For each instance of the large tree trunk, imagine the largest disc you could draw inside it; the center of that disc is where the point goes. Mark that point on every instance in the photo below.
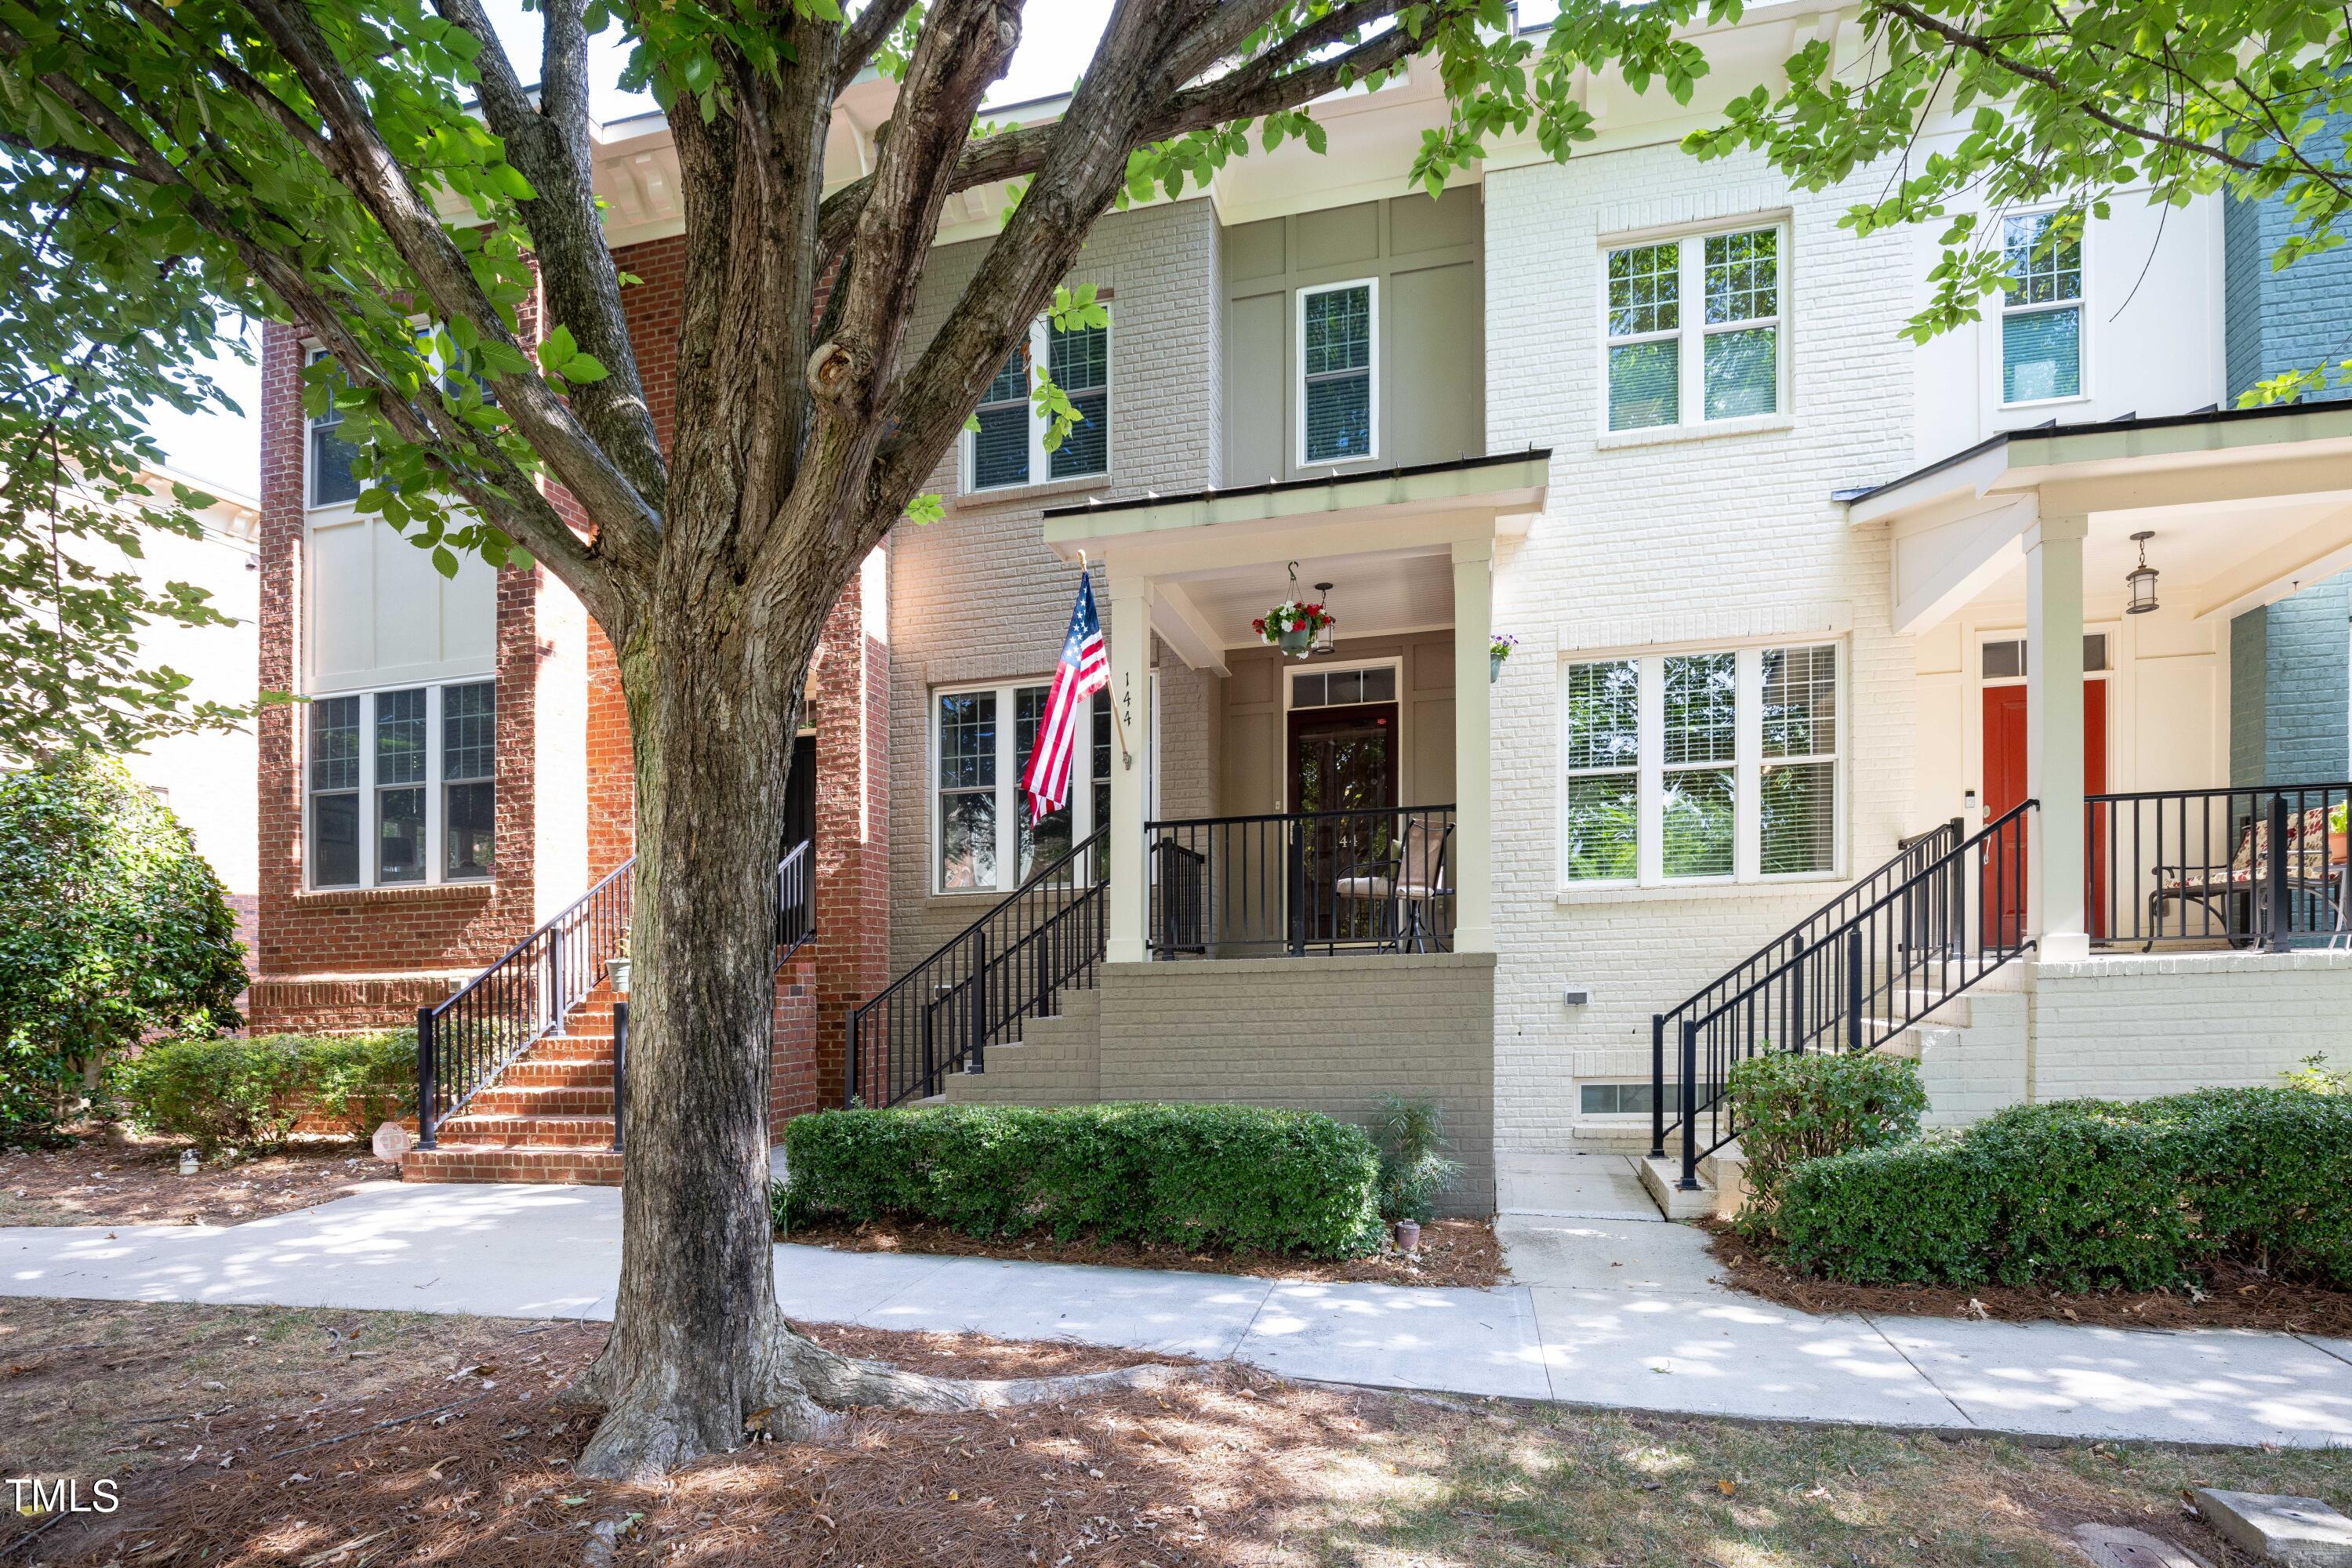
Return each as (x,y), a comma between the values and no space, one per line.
(714,700)
(701,1355)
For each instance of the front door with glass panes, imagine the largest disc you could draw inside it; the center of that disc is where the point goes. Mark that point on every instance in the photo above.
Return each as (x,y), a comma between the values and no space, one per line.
(1343,784)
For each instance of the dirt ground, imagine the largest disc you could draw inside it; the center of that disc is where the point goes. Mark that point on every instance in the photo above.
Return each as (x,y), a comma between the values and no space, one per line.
(2230,1296)
(1452,1252)
(222,1427)
(110,1176)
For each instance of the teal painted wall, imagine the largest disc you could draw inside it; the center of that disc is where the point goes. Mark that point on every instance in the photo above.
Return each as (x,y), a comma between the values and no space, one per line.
(2291,664)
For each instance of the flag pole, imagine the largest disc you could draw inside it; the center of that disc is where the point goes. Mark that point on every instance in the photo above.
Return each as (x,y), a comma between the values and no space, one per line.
(1126,757)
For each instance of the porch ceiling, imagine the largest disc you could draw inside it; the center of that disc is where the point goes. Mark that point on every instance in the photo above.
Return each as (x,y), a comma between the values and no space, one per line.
(2244,506)
(1373,595)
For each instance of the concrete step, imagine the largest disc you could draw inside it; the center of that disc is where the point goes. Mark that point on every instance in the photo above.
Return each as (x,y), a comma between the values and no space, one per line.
(490,1163)
(1662,1179)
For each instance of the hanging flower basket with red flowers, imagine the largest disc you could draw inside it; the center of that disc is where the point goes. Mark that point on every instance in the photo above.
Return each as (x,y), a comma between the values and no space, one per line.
(1291,626)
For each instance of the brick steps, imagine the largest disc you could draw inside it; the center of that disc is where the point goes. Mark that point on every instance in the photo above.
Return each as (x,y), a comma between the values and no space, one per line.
(547,1118)
(480,1162)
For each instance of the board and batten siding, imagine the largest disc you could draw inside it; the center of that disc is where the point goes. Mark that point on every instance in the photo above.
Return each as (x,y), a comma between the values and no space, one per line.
(1428,254)
(1256,775)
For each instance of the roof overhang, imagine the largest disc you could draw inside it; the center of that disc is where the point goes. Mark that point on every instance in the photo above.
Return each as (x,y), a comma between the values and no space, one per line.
(2218,454)
(1504,492)
(2269,489)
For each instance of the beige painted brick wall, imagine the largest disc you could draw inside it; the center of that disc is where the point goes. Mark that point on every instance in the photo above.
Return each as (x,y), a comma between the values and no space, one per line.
(1315,1034)
(977,597)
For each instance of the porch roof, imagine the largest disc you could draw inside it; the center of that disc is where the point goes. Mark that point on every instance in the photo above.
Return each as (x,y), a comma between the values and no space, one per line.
(2115,449)
(1508,485)
(2243,504)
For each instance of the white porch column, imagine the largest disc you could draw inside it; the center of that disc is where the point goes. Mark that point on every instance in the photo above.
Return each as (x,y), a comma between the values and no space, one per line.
(1470,864)
(2053,735)
(1130,696)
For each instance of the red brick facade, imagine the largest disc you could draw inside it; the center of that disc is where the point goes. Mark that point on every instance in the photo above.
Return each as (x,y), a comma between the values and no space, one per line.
(357,959)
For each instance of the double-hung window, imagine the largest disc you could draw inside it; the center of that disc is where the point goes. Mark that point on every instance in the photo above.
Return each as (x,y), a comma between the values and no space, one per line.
(1710,765)
(1670,365)
(401,787)
(1338,369)
(1006,446)
(985,841)
(2042,309)
(328,457)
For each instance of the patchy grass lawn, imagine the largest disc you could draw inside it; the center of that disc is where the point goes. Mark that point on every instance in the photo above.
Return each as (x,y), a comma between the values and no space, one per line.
(110,1176)
(1452,1252)
(1232,1468)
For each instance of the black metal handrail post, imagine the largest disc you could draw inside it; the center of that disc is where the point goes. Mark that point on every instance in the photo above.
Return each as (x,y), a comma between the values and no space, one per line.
(620,1075)
(426,1079)
(1657,1086)
(975,1050)
(1690,1183)
(2280,905)
(1295,863)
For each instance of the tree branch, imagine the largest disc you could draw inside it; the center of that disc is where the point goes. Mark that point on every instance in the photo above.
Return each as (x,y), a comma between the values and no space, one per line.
(1988,51)
(549,143)
(531,521)
(863,36)
(628,525)
(1011,154)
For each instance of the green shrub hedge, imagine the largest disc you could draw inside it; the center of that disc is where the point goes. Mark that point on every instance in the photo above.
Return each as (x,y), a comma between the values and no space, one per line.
(2088,1195)
(1227,1177)
(1792,1107)
(248,1094)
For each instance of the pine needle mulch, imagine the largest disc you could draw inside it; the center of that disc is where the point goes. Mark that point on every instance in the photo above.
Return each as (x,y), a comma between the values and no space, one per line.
(457,1454)
(2229,1296)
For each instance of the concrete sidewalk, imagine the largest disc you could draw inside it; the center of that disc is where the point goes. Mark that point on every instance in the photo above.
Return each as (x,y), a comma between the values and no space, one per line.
(1615,1310)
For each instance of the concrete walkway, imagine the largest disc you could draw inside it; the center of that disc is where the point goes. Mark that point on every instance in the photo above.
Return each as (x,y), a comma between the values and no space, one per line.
(1614,1308)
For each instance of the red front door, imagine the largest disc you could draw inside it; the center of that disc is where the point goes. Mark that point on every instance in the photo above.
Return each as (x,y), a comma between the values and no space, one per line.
(2003,897)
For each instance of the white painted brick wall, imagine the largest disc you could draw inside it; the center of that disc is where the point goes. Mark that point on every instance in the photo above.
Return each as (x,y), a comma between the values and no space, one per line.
(2132,1027)
(1725,537)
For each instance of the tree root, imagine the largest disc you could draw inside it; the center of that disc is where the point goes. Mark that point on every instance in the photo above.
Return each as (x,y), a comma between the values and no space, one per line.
(796,1392)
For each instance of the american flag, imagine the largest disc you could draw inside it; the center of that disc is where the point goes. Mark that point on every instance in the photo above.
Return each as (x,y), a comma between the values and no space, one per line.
(1085,669)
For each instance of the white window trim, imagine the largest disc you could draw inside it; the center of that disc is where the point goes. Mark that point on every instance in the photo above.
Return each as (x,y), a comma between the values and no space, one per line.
(1691,334)
(434,786)
(312,354)
(1041,340)
(1748,758)
(1298,375)
(2080,303)
(1009,803)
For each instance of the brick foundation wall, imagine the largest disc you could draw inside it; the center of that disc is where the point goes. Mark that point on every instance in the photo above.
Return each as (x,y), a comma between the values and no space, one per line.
(791,1057)
(1315,1034)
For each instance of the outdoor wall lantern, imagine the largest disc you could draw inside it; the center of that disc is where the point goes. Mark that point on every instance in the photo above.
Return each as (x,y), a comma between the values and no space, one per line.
(1324,642)
(2140,581)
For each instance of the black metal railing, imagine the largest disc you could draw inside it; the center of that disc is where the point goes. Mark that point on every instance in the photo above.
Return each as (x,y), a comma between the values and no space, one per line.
(1044,938)
(1902,870)
(465,1042)
(795,899)
(1377,879)
(2219,867)
(1883,967)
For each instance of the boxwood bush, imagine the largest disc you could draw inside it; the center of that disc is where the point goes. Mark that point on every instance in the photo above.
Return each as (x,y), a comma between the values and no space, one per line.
(249,1094)
(1792,1107)
(2088,1195)
(1224,1176)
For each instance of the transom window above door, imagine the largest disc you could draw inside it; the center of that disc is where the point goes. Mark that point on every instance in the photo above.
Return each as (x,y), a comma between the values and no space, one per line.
(1701,766)
(1693,329)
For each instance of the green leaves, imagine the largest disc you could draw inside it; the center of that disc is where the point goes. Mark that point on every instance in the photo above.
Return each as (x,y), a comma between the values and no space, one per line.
(562,357)
(1227,1177)
(134,934)
(1792,1107)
